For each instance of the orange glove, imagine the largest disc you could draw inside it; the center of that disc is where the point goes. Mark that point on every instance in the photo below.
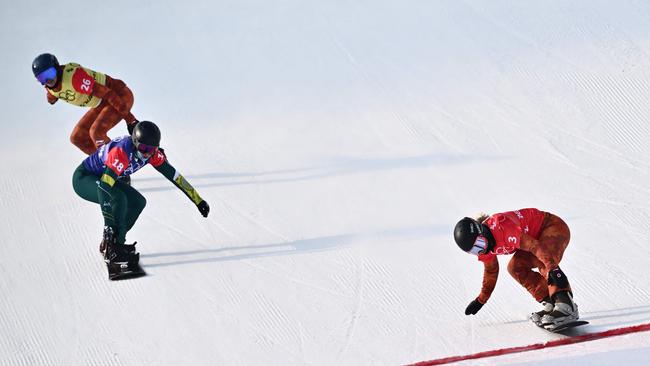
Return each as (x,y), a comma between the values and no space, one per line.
(51,98)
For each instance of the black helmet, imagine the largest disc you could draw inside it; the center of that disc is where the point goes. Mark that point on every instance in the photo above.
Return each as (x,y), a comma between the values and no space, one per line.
(147,133)
(466,232)
(43,62)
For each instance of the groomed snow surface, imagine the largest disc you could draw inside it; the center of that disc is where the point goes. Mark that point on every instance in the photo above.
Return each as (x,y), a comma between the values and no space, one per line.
(337,142)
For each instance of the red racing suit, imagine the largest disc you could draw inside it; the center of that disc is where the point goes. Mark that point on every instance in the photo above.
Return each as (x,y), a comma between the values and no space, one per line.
(537,239)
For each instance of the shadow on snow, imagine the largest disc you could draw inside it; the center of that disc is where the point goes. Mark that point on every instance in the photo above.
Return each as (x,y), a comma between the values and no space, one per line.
(303,246)
(338,167)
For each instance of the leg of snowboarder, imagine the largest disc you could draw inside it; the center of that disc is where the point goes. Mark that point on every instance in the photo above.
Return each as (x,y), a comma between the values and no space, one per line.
(128,203)
(521,267)
(565,311)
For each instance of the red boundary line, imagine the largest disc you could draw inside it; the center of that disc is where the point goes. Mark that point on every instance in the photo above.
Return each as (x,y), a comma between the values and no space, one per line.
(531,347)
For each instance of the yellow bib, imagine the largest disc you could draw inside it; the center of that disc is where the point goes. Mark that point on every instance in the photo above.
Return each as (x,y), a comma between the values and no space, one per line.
(77,93)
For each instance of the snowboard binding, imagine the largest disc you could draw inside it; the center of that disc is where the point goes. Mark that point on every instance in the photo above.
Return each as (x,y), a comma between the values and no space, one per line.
(122,260)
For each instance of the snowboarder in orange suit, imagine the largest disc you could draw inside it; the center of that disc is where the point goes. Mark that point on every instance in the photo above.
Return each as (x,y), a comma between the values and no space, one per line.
(109,99)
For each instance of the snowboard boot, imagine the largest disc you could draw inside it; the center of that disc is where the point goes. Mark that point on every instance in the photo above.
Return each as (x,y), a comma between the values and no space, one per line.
(121,254)
(565,311)
(134,257)
(130,248)
(548,306)
(108,237)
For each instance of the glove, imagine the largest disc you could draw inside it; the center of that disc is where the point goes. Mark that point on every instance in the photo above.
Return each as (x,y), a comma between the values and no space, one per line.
(473,307)
(51,98)
(204,208)
(131,126)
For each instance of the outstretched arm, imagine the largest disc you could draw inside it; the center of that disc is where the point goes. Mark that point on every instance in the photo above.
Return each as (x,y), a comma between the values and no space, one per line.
(490,275)
(169,172)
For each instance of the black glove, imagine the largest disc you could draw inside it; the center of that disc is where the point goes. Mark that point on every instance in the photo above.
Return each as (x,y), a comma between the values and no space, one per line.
(131,126)
(204,208)
(473,307)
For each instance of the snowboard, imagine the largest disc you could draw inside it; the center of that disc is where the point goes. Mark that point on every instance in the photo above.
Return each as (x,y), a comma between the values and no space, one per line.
(564,327)
(124,271)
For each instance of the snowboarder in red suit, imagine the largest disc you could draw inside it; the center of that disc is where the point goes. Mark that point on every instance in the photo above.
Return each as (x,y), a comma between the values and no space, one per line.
(536,240)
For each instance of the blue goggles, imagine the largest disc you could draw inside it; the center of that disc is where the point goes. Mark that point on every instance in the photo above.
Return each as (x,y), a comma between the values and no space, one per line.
(47,75)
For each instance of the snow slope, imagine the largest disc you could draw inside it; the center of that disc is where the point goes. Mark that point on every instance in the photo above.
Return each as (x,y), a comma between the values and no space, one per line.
(337,142)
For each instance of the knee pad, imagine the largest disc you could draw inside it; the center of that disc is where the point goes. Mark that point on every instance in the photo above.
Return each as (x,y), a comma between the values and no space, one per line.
(558,278)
